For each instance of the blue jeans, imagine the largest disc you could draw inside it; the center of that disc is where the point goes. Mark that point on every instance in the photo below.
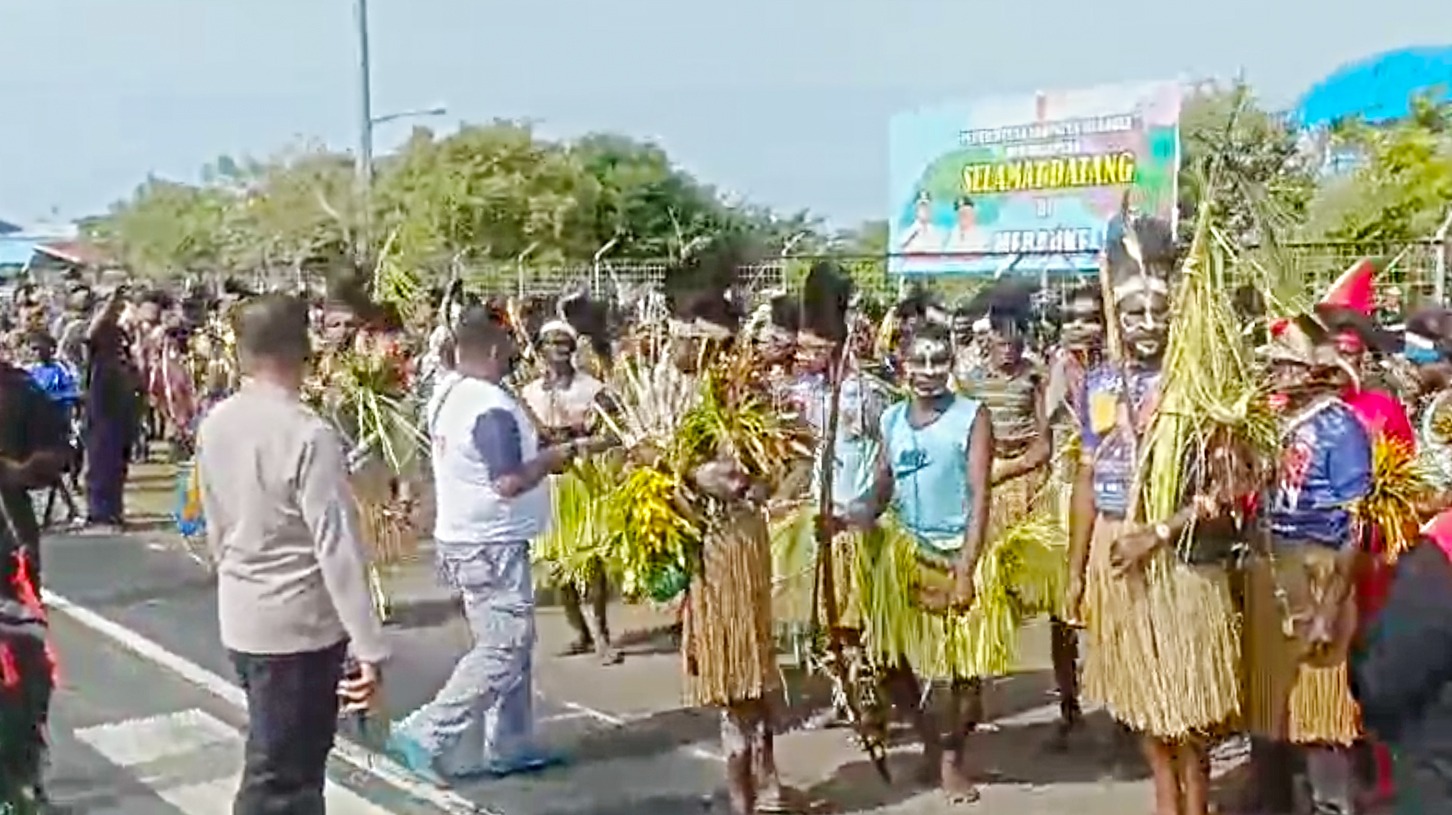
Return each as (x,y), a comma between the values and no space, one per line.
(484,714)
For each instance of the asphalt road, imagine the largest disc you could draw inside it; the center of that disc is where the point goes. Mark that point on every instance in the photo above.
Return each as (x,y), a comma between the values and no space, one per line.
(633,750)
(129,738)
(146,584)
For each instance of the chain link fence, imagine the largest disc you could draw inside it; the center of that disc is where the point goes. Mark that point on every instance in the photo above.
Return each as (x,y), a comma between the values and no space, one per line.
(1413,268)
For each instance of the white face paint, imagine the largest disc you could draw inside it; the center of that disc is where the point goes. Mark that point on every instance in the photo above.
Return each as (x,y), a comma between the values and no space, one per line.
(1143,323)
(928,363)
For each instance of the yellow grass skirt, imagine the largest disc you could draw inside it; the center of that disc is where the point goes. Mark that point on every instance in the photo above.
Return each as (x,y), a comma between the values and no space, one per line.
(1163,646)
(727,641)
(388,532)
(1020,575)
(570,551)
(1288,698)
(794,571)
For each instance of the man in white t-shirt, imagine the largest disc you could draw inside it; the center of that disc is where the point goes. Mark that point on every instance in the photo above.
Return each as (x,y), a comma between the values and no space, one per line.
(563,404)
(490,469)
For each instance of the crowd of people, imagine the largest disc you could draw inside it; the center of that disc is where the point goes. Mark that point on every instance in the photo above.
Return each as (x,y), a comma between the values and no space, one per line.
(896,493)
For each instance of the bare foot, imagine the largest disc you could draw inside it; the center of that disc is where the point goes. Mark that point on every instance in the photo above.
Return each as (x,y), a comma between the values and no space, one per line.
(957,788)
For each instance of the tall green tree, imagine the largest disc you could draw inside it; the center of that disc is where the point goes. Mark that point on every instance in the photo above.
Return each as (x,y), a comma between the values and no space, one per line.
(1402,189)
(1248,160)
(485,195)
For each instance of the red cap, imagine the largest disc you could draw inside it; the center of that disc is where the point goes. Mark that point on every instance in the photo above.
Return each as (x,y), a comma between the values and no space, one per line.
(1353,289)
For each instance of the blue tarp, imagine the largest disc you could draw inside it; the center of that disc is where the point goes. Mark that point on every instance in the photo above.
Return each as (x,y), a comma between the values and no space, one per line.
(17,251)
(1378,88)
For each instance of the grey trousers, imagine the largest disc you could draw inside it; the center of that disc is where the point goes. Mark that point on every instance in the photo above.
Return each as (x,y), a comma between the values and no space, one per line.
(483,717)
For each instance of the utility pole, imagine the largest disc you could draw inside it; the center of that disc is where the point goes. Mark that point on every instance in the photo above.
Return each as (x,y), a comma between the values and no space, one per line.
(365,130)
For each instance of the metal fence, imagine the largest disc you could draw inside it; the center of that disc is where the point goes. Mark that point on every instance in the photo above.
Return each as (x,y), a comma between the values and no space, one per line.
(1418,269)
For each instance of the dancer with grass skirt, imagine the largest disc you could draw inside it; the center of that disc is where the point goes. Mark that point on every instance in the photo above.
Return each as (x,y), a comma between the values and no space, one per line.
(1161,649)
(1390,511)
(361,383)
(563,401)
(917,577)
(730,453)
(1301,610)
(821,343)
(1081,346)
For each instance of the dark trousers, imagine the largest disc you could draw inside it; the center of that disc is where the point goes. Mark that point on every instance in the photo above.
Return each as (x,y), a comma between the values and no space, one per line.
(292,717)
(107,439)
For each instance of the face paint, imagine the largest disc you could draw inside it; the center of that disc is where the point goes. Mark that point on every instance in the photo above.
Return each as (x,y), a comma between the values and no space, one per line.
(927,365)
(1083,327)
(557,347)
(1144,324)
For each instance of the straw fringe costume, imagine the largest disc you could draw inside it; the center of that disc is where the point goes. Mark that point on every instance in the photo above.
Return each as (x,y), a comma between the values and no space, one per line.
(385,450)
(728,650)
(794,545)
(1162,643)
(1162,649)
(1289,697)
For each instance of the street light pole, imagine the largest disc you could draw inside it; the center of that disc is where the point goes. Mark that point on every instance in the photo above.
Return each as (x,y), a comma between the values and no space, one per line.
(365,98)
(362,238)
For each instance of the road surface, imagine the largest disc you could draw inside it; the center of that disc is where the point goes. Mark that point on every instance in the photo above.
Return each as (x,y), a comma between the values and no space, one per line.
(129,738)
(633,749)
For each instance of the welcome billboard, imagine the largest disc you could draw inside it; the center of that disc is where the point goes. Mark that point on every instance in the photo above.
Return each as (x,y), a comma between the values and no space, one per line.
(1032,182)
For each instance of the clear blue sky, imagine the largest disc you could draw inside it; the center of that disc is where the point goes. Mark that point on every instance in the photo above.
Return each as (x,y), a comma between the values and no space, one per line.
(783,101)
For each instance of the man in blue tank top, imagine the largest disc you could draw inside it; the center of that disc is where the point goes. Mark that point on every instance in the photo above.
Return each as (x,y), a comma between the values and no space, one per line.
(933,469)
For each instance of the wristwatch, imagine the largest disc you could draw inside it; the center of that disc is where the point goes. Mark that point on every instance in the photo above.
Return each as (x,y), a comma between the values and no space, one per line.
(1162,533)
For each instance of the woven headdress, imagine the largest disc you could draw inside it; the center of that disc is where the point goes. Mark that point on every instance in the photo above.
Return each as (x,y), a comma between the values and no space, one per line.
(825,300)
(1307,340)
(1007,305)
(698,289)
(587,318)
(1140,254)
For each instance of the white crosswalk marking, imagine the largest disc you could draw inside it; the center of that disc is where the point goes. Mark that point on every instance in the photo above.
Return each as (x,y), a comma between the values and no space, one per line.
(192,760)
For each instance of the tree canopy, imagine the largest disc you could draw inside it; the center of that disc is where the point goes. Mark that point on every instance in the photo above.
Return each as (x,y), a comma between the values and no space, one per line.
(493,194)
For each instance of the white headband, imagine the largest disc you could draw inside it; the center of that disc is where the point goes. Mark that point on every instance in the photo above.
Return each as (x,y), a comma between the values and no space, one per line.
(559,327)
(1139,284)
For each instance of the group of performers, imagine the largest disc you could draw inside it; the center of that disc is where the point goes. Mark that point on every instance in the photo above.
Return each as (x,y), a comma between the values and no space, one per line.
(1207,502)
(1216,571)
